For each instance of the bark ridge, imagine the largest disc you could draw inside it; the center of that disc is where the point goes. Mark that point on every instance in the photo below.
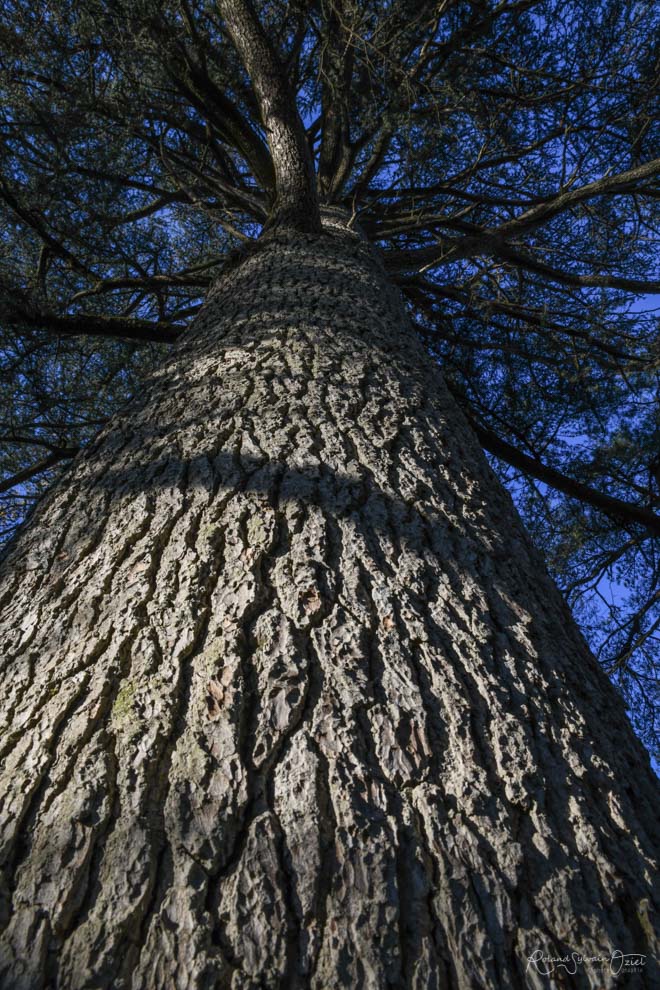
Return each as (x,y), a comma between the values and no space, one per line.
(290,700)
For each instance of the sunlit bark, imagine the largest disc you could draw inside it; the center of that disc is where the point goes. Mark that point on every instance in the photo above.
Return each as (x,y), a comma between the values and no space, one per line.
(288,698)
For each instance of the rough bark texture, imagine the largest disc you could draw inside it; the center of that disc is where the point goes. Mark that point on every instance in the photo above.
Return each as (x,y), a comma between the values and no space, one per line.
(296,204)
(288,698)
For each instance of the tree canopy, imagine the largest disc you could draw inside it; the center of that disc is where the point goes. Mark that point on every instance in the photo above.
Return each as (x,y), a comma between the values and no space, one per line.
(500,154)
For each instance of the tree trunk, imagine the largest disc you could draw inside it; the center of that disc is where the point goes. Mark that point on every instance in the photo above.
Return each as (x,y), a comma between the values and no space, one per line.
(289,698)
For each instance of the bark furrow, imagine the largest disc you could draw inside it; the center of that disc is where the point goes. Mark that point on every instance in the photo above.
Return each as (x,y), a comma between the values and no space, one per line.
(289,699)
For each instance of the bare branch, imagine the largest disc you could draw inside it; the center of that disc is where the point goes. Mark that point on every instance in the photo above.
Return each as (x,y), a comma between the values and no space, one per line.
(616,508)
(36,469)
(628,181)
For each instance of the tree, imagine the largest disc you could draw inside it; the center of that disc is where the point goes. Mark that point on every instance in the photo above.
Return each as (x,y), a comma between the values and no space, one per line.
(290,698)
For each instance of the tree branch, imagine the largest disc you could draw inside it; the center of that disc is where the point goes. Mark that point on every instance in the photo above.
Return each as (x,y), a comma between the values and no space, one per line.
(481,307)
(616,508)
(92,325)
(296,203)
(623,182)
(27,474)
(486,244)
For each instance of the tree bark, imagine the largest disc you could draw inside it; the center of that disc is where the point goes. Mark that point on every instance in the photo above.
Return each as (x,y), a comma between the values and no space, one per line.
(289,698)
(296,202)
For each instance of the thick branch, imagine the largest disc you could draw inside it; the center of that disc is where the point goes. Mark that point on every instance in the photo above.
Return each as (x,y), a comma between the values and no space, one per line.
(487,245)
(93,325)
(335,69)
(526,261)
(34,470)
(296,203)
(614,507)
(623,182)
(149,283)
(209,100)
